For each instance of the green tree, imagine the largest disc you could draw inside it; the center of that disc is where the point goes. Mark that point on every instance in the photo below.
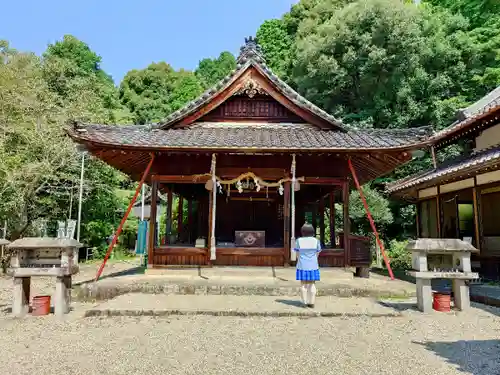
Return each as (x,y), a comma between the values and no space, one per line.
(40,167)
(72,70)
(478,11)
(211,71)
(152,93)
(277,44)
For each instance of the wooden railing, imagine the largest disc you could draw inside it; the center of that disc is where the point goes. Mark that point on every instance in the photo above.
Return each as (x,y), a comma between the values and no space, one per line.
(359,250)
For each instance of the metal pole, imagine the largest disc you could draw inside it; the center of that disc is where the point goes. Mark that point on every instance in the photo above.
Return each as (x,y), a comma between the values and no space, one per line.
(370,218)
(80,196)
(143,198)
(142,201)
(120,227)
(70,203)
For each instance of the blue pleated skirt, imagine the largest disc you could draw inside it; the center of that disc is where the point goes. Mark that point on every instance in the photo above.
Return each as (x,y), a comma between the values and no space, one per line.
(303,275)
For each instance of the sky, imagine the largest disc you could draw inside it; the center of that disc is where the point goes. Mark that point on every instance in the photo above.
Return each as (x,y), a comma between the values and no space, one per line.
(131,34)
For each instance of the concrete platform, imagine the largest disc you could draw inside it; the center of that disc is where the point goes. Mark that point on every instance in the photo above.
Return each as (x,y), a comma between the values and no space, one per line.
(165,305)
(265,281)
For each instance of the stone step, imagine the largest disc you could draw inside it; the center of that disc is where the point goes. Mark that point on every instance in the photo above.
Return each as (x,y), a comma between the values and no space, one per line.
(107,289)
(243,306)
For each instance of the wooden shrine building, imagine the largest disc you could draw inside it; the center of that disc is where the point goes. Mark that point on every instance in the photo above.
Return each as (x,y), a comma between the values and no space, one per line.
(250,161)
(460,198)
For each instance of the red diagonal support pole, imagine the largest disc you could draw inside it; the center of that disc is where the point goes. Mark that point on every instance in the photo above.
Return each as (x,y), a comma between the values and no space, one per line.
(120,227)
(370,218)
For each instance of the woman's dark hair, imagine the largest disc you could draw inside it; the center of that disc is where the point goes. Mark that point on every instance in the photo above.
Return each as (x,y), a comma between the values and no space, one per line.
(307,230)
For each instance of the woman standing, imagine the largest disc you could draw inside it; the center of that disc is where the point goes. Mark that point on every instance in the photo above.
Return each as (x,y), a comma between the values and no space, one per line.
(308,248)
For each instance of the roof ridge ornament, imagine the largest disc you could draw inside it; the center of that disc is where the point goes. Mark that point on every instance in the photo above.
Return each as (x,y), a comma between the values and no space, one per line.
(251,51)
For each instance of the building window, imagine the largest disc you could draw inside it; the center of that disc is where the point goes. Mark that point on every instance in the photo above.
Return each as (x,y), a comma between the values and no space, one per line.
(428,219)
(466,219)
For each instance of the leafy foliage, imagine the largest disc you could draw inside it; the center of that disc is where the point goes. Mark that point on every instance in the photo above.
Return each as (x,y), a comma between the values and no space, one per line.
(153,93)
(399,256)
(40,166)
(211,71)
(379,209)
(277,44)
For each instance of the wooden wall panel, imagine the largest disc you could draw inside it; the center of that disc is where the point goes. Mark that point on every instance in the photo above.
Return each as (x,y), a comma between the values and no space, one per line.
(360,251)
(258,108)
(331,258)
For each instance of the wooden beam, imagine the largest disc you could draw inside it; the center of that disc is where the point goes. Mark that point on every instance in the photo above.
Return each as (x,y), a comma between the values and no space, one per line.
(332,219)
(180,217)
(438,213)
(168,221)
(347,223)
(210,218)
(322,181)
(417,218)
(286,223)
(181,179)
(190,220)
(476,205)
(264,173)
(152,223)
(322,221)
(314,217)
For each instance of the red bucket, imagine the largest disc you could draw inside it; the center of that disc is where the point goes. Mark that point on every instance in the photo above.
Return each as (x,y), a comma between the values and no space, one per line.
(40,305)
(442,302)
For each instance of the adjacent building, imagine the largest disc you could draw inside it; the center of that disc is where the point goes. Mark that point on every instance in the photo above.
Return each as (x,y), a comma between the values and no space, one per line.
(460,198)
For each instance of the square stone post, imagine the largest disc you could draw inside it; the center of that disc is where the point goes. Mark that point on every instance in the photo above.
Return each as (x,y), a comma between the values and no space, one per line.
(461,294)
(424,295)
(63,295)
(21,296)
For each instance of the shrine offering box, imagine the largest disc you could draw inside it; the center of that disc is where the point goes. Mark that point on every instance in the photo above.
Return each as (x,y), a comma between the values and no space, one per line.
(250,238)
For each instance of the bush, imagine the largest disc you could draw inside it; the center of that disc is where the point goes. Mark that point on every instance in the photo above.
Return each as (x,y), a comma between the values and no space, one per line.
(400,258)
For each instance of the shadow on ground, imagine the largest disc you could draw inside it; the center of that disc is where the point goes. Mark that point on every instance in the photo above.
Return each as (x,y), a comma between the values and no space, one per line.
(478,357)
(290,302)
(139,270)
(399,305)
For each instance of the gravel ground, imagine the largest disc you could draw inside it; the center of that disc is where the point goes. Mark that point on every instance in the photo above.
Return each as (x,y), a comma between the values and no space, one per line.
(443,344)
(46,285)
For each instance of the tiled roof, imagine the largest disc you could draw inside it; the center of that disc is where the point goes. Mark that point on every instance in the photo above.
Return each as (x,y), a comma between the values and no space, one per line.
(250,55)
(235,136)
(469,115)
(460,164)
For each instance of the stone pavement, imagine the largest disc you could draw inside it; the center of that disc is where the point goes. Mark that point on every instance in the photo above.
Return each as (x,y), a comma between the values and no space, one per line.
(229,305)
(268,281)
(486,294)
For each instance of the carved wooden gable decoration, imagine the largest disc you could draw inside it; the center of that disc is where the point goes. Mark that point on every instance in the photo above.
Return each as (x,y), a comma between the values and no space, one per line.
(251,93)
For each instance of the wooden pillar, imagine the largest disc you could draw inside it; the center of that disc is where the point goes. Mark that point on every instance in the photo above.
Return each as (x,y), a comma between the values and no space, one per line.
(180,218)
(168,221)
(286,224)
(190,220)
(438,212)
(347,223)
(322,220)
(210,217)
(332,219)
(417,218)
(314,217)
(477,224)
(152,223)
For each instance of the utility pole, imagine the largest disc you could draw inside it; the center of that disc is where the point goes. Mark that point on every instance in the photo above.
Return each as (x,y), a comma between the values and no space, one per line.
(79,220)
